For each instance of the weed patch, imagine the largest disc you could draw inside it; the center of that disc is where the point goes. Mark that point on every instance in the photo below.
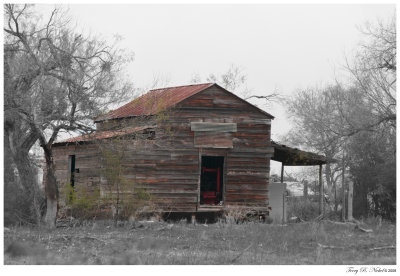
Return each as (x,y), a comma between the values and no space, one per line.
(154,243)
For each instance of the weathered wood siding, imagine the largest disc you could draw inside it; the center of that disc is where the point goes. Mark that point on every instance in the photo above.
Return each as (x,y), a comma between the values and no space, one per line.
(120,123)
(169,166)
(247,160)
(86,160)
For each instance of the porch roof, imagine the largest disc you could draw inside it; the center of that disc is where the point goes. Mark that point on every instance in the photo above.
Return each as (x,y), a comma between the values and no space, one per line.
(289,156)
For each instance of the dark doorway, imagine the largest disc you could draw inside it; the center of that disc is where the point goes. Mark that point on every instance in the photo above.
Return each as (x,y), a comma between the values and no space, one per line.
(71,165)
(211,181)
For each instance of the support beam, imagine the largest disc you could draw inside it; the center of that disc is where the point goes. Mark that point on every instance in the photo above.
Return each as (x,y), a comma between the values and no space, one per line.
(283,195)
(321,192)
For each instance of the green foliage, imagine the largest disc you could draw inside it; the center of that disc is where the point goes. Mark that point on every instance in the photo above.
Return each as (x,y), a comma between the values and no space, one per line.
(83,203)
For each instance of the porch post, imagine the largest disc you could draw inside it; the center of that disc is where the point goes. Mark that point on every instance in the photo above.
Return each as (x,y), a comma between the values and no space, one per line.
(321,192)
(283,195)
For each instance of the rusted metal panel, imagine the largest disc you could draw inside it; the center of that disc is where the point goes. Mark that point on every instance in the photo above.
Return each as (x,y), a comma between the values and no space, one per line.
(214,127)
(104,135)
(213,140)
(155,101)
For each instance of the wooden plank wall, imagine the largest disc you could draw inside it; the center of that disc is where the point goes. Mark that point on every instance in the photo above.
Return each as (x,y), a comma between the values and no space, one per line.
(247,162)
(121,123)
(169,166)
(86,160)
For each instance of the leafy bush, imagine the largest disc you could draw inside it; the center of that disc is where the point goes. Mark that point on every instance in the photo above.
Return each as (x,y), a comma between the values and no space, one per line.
(83,203)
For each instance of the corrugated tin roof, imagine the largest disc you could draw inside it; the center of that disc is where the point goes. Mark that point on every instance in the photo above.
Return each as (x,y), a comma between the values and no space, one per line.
(98,135)
(155,101)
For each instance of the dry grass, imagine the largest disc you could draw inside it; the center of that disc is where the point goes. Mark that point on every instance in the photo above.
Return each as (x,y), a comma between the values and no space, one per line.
(220,243)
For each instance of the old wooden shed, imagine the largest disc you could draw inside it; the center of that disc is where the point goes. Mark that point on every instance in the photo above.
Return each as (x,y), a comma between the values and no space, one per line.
(193,148)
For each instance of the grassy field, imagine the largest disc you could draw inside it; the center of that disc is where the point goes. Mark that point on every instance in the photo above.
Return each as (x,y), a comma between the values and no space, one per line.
(178,243)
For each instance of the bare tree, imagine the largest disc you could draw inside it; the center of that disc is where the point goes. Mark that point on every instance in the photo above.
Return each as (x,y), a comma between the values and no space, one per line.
(315,116)
(374,71)
(356,123)
(57,80)
(235,80)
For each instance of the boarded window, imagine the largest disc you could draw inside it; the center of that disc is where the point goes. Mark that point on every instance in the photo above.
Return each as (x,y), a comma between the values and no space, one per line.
(214,127)
(213,135)
(213,140)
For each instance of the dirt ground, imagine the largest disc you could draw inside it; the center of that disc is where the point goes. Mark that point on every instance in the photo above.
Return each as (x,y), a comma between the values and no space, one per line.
(151,243)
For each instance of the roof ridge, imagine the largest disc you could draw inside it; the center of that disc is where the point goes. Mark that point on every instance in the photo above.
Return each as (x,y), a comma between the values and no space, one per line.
(196,84)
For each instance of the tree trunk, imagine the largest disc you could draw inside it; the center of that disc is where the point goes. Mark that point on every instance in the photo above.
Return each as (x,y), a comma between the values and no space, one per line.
(329,181)
(350,202)
(33,194)
(336,201)
(51,213)
(22,182)
(25,172)
(51,189)
(343,191)
(328,177)
(20,164)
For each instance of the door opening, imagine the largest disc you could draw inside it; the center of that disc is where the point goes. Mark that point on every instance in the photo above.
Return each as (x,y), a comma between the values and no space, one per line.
(211,180)
(71,164)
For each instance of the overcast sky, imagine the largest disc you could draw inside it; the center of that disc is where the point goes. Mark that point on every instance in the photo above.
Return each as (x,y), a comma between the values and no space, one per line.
(280,47)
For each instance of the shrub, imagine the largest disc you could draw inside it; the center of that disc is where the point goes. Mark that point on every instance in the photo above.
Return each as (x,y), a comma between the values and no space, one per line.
(83,203)
(302,207)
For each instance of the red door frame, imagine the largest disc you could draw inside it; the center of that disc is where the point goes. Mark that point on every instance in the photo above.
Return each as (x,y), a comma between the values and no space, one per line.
(218,171)
(221,186)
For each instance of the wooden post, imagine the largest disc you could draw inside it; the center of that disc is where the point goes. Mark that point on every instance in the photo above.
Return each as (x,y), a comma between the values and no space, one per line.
(321,192)
(305,188)
(343,193)
(284,203)
(350,202)
(283,195)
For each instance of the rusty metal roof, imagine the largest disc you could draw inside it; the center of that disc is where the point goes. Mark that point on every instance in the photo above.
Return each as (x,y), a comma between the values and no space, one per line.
(99,135)
(155,101)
